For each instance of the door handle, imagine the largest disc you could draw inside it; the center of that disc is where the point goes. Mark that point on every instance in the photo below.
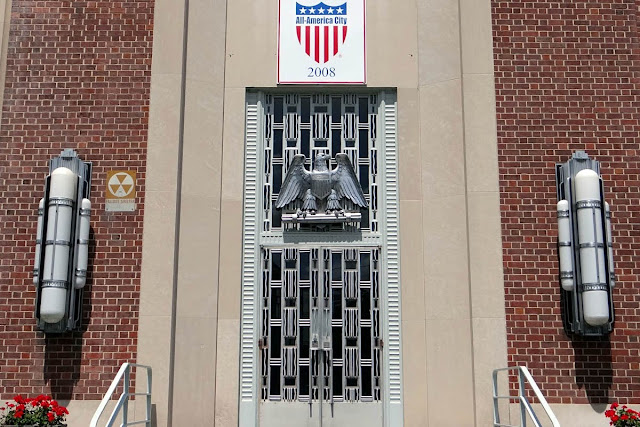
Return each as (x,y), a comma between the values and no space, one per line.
(263,343)
(326,327)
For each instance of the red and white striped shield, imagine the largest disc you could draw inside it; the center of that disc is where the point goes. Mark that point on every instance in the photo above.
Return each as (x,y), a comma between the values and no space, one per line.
(321,30)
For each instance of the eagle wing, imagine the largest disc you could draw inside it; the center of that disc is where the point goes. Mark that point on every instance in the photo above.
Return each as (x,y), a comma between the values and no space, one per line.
(344,181)
(296,183)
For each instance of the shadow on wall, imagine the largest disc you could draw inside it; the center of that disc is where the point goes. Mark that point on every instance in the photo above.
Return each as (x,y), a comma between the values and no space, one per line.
(593,367)
(63,352)
(62,359)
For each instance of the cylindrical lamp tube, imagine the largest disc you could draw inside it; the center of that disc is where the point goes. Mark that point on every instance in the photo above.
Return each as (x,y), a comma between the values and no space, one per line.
(83,245)
(564,246)
(62,197)
(595,300)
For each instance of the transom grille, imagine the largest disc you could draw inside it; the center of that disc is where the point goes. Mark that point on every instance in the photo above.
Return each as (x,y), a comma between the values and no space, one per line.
(314,124)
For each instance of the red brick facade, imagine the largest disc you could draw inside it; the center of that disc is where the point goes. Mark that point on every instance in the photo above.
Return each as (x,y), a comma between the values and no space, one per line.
(567,77)
(78,76)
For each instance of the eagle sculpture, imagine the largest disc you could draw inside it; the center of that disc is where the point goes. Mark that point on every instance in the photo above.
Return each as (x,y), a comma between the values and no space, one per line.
(321,183)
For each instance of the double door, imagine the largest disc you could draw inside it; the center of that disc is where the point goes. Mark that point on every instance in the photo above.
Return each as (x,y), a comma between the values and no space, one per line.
(320,344)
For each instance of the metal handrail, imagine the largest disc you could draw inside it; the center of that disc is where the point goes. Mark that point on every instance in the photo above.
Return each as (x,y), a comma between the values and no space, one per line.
(525,406)
(123,401)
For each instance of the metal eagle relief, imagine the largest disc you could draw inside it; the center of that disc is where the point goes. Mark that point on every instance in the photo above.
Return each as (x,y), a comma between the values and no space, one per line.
(321,189)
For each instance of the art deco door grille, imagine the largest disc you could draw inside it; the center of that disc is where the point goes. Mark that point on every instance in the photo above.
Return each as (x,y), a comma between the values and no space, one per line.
(320,325)
(338,283)
(314,124)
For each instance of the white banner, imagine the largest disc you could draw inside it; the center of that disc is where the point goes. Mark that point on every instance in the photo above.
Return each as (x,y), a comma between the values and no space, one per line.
(321,42)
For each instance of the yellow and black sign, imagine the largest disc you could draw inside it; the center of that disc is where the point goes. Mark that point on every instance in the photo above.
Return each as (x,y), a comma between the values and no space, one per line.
(121,191)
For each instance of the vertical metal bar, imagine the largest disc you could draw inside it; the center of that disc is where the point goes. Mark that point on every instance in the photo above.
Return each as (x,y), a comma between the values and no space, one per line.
(320,318)
(522,398)
(125,404)
(313,347)
(148,416)
(595,238)
(329,315)
(310,377)
(496,409)
(320,381)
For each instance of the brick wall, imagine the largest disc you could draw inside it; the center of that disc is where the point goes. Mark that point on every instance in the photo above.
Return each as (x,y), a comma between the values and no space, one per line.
(78,75)
(567,77)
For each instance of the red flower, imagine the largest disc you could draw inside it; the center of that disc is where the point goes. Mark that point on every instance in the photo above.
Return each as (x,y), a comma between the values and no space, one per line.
(23,409)
(609,412)
(624,417)
(60,411)
(614,418)
(614,405)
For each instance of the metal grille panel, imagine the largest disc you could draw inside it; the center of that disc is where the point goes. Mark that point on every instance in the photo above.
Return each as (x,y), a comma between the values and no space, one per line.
(322,335)
(314,124)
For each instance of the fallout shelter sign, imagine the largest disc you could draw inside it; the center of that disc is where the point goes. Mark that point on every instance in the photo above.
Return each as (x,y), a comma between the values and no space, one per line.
(321,42)
(121,191)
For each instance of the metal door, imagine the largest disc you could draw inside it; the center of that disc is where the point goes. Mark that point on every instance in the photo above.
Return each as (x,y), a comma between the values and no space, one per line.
(320,344)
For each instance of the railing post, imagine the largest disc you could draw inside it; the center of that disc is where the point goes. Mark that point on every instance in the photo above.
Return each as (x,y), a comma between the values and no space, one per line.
(125,404)
(526,409)
(496,408)
(148,424)
(522,398)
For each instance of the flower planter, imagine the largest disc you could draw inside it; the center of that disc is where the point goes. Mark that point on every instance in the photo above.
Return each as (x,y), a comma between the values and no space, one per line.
(38,412)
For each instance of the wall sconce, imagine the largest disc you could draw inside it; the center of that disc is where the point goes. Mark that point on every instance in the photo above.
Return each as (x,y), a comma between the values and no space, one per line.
(62,244)
(584,248)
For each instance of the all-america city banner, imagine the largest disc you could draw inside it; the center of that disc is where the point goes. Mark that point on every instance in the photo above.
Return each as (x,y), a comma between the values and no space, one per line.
(321,42)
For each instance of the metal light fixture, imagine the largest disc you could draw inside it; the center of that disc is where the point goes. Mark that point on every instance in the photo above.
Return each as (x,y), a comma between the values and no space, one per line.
(62,244)
(584,248)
